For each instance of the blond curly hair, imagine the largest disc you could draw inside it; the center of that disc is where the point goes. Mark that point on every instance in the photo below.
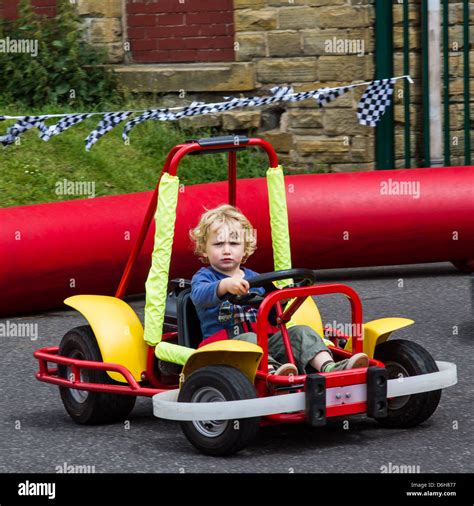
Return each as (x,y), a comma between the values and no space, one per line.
(226,215)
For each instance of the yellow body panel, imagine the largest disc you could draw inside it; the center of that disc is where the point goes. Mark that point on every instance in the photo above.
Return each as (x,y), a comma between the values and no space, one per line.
(378,331)
(239,354)
(118,331)
(308,314)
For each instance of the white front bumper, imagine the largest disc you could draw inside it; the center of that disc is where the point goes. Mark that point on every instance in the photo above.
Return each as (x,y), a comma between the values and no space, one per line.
(166,405)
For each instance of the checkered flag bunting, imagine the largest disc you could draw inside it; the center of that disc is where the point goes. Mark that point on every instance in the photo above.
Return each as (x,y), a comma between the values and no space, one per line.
(201,108)
(71,120)
(155,114)
(284,93)
(109,121)
(374,102)
(326,95)
(20,127)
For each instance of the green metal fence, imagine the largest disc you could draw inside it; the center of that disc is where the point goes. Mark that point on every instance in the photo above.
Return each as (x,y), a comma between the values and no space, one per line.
(384,62)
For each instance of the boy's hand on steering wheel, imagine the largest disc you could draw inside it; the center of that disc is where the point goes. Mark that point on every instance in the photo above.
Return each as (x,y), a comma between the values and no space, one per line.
(234,285)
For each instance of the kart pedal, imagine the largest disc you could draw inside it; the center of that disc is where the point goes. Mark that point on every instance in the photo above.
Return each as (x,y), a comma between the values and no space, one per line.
(377,378)
(315,391)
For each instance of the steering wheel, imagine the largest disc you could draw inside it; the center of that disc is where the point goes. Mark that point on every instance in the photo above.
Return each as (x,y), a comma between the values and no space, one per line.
(304,277)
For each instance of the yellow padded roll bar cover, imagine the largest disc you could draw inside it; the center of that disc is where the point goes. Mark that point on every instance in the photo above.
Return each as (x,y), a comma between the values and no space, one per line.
(308,313)
(239,354)
(156,285)
(170,352)
(118,331)
(279,220)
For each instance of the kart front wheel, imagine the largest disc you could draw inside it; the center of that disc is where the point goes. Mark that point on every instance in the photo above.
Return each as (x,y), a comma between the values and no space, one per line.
(405,358)
(218,383)
(90,408)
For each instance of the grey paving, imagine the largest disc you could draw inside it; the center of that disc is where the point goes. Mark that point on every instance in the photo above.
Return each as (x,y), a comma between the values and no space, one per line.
(36,434)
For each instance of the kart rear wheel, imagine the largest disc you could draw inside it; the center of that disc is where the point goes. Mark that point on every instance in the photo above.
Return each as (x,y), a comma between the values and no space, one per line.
(404,358)
(218,383)
(90,408)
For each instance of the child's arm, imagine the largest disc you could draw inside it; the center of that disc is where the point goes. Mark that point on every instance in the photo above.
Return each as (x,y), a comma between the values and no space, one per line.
(204,293)
(207,293)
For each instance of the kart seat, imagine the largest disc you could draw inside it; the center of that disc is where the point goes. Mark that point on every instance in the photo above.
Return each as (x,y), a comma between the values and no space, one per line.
(189,325)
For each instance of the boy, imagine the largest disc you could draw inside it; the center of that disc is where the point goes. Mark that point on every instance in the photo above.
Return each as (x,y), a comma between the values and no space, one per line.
(225,239)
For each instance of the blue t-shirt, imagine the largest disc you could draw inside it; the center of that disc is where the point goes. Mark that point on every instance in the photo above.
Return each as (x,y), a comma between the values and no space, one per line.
(208,305)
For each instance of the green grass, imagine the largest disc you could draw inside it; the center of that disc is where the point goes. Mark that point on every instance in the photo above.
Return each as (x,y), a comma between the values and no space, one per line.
(29,172)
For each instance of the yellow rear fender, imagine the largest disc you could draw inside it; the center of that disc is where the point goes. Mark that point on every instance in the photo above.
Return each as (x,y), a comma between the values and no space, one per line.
(239,354)
(378,331)
(118,331)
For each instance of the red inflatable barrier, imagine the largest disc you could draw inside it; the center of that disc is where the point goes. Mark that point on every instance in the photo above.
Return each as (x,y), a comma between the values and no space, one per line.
(52,251)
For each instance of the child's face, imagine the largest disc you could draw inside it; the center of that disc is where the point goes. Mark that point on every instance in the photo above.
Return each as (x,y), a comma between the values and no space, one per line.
(225,247)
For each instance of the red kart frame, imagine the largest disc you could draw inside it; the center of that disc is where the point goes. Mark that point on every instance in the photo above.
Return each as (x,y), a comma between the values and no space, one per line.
(265,384)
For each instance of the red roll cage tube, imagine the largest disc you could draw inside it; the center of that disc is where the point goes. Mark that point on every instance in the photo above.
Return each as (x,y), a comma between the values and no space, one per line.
(171,166)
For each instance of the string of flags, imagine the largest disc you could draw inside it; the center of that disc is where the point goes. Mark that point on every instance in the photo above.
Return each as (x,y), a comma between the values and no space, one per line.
(372,105)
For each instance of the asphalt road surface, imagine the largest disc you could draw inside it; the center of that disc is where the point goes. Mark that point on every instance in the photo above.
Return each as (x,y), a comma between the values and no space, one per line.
(36,434)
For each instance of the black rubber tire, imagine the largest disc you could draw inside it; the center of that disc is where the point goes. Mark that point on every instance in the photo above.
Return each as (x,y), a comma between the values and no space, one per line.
(233,385)
(97,407)
(415,360)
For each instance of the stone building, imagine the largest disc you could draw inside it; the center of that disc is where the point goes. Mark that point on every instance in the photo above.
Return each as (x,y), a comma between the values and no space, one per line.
(188,50)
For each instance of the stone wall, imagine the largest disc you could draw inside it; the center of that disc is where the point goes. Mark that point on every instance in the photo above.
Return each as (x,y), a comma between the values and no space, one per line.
(303,43)
(310,44)
(104,23)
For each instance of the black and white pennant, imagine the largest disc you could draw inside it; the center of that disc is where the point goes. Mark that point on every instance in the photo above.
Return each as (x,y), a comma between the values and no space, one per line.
(326,95)
(375,101)
(20,127)
(155,114)
(109,121)
(46,132)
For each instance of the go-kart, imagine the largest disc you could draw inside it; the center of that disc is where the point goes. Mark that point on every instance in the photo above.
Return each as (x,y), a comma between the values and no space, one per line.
(222,392)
